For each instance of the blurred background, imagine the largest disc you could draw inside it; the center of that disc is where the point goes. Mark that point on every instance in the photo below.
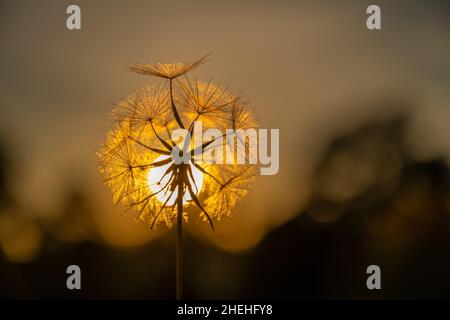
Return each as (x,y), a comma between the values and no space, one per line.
(364,118)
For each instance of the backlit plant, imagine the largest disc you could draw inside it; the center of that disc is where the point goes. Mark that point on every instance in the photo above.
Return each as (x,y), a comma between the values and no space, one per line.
(136,155)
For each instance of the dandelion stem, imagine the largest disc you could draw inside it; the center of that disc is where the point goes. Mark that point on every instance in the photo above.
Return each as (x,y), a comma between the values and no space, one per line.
(165,144)
(179,260)
(167,153)
(174,109)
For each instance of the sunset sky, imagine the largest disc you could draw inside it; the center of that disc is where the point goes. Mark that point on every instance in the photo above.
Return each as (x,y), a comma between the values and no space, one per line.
(308,68)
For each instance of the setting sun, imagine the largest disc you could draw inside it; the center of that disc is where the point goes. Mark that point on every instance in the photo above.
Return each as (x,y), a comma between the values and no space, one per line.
(157,180)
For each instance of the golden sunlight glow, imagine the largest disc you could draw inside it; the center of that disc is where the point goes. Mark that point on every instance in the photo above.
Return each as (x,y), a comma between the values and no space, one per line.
(156,181)
(141,139)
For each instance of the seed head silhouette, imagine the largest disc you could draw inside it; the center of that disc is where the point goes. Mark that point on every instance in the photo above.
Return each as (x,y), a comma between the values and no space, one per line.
(136,157)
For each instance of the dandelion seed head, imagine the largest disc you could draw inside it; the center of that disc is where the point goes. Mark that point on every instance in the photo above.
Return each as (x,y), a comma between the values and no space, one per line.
(167,70)
(135,158)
